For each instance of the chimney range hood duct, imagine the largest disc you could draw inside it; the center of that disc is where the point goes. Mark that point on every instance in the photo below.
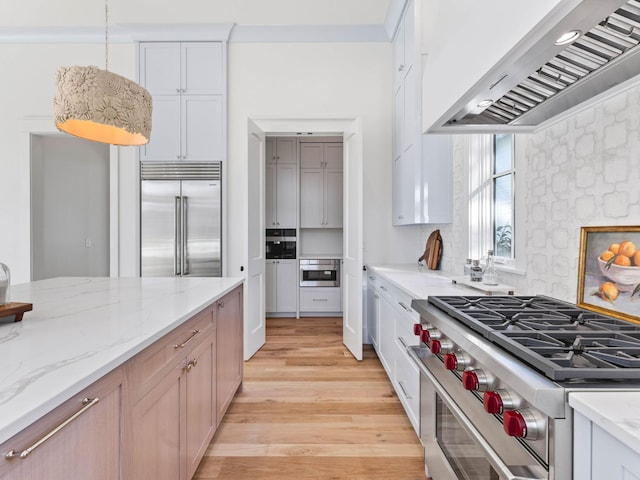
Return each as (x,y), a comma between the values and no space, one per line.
(549,79)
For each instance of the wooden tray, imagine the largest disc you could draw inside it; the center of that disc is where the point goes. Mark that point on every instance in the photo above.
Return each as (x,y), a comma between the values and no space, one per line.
(15,309)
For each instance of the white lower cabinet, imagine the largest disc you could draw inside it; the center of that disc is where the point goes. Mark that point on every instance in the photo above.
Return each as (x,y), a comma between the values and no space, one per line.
(281,286)
(598,455)
(391,320)
(320,299)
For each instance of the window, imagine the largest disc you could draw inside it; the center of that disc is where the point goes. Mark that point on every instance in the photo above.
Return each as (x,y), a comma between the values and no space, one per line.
(492,185)
(503,195)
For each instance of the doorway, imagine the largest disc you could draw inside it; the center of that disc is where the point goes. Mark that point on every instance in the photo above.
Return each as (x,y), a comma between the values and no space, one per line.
(69,207)
(352,240)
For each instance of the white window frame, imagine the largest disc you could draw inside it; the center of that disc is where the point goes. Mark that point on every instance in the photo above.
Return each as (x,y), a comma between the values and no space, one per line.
(481,176)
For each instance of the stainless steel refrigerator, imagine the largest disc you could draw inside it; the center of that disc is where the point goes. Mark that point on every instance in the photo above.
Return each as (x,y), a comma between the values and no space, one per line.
(181,219)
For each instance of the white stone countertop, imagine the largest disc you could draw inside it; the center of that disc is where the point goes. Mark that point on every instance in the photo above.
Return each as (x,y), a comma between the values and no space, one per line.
(82,328)
(420,282)
(615,412)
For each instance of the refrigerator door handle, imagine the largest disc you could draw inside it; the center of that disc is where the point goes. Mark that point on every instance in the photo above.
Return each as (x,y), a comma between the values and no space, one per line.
(176,234)
(185,264)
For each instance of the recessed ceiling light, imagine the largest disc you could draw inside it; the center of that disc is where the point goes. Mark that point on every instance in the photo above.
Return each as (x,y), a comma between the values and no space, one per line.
(485,103)
(568,37)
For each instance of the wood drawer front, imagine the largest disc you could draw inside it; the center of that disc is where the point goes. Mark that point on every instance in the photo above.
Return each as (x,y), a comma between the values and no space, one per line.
(151,364)
(320,300)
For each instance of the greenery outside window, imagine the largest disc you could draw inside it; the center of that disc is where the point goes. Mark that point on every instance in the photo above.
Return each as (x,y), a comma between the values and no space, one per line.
(503,183)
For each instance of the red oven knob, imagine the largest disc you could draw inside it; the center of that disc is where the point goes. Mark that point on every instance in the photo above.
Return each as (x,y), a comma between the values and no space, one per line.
(417,329)
(498,401)
(475,380)
(424,336)
(456,361)
(441,346)
(520,423)
(493,403)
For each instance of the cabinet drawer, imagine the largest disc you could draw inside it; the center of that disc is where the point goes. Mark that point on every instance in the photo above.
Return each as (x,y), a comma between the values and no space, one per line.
(150,365)
(407,384)
(325,299)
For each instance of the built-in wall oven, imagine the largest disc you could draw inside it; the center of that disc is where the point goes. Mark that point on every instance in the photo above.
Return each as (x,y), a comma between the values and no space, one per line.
(280,243)
(319,272)
(496,373)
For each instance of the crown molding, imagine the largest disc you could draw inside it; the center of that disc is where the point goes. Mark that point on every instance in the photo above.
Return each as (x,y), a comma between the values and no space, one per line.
(127,33)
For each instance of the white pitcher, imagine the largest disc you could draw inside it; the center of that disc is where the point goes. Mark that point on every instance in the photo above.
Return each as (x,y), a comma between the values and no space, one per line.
(5,281)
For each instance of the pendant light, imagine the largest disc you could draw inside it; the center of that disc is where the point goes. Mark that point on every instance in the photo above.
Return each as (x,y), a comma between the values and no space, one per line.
(100,105)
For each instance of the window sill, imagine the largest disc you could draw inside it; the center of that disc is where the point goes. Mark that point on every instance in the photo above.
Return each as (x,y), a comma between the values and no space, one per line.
(506,268)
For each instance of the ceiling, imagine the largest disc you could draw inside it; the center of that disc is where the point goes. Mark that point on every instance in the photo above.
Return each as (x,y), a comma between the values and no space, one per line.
(90,13)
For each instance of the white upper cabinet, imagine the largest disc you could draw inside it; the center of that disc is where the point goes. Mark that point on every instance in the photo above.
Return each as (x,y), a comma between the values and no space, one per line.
(321,185)
(281,206)
(422,188)
(193,68)
(186,82)
(462,41)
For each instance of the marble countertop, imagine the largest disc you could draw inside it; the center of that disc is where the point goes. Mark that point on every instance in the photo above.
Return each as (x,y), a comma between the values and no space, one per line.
(420,282)
(615,412)
(82,328)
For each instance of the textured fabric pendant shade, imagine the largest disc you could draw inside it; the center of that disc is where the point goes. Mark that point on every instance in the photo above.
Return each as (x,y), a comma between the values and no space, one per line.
(101,106)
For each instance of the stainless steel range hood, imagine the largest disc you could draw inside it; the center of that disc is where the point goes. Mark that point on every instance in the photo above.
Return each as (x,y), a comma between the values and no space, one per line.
(528,88)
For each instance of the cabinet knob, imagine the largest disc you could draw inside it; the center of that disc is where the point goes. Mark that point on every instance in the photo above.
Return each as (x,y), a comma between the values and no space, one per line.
(178,90)
(401,68)
(178,157)
(221,305)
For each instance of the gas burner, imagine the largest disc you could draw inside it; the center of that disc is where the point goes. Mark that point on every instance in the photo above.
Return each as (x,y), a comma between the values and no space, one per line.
(559,339)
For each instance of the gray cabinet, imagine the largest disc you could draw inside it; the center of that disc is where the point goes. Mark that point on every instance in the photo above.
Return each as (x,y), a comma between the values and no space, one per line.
(321,185)
(281,286)
(281,192)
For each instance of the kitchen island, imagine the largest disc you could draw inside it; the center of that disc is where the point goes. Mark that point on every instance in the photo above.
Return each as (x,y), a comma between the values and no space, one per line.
(83,330)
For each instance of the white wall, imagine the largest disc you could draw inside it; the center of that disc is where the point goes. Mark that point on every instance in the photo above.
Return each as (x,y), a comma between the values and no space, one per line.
(583,171)
(27,84)
(268,80)
(310,80)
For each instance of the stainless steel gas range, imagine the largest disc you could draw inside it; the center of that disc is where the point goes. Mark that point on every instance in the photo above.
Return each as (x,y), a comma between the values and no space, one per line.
(495,377)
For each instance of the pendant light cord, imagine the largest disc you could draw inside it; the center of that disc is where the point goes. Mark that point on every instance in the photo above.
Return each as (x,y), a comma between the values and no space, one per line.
(106,34)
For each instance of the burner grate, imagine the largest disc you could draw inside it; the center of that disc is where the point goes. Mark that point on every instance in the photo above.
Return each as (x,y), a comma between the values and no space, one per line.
(559,339)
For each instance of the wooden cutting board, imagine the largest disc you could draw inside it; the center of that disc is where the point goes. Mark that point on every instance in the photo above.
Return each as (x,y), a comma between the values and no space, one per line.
(15,309)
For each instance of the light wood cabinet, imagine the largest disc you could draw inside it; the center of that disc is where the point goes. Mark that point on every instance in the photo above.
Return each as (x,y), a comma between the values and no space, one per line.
(321,185)
(186,83)
(281,286)
(88,431)
(151,418)
(422,176)
(229,357)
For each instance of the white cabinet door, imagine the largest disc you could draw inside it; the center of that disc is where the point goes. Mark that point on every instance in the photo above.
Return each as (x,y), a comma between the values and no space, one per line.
(398,55)
(373,314)
(398,120)
(287,285)
(202,127)
(165,136)
(386,341)
(286,195)
(321,185)
(286,150)
(311,198)
(270,286)
(271,189)
(201,67)
(333,198)
(160,69)
(311,155)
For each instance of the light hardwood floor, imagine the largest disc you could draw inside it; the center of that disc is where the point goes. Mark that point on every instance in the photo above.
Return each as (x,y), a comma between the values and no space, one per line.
(308,410)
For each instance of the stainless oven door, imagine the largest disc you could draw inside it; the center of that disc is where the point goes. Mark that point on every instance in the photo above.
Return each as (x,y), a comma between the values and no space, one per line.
(319,273)
(462,441)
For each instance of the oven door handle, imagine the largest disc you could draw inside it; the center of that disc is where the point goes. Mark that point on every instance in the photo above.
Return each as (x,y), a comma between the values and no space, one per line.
(496,462)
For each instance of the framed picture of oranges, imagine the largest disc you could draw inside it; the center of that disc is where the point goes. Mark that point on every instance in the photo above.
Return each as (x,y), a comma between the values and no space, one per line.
(609,271)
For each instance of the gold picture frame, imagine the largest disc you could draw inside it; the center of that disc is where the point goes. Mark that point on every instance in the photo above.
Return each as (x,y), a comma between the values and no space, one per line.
(608,283)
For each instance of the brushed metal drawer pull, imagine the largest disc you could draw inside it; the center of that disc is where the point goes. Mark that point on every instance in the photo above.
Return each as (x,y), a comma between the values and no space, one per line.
(87,402)
(184,344)
(404,392)
(404,306)
(402,341)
